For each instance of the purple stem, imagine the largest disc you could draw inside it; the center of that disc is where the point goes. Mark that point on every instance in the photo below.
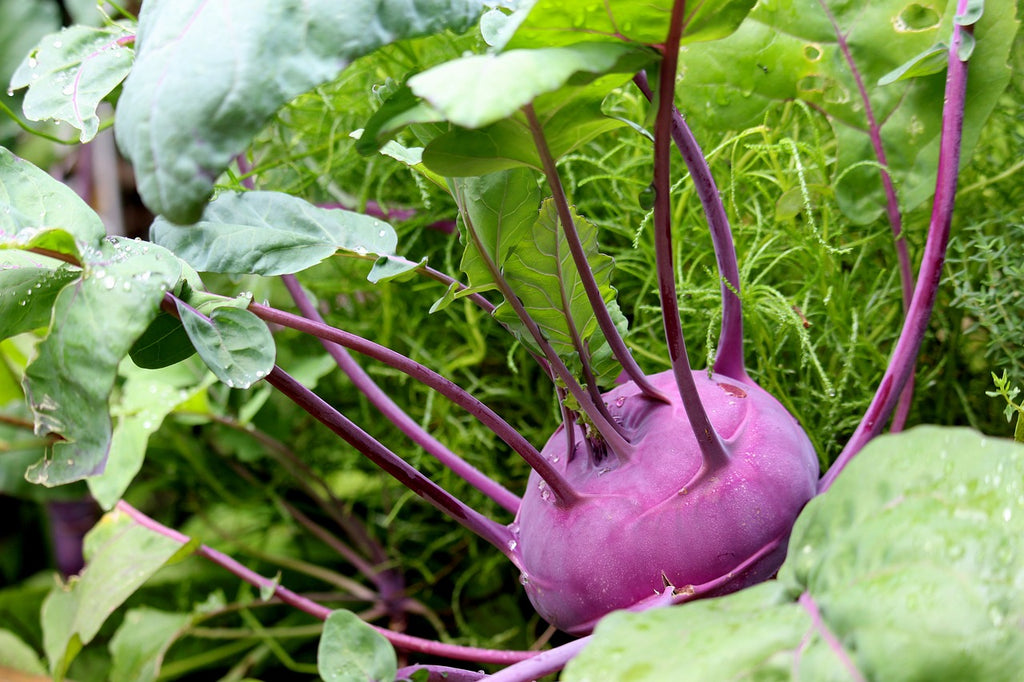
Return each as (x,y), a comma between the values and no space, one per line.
(901,366)
(402,641)
(440,673)
(491,531)
(729,359)
(379,399)
(712,449)
(572,237)
(544,663)
(432,379)
(892,205)
(833,643)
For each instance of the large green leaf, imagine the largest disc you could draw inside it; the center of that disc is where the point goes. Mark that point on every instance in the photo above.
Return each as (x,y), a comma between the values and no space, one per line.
(351,650)
(96,319)
(909,568)
(210,73)
(560,22)
(541,271)
(120,557)
(28,286)
(22,23)
(271,233)
(789,49)
(69,73)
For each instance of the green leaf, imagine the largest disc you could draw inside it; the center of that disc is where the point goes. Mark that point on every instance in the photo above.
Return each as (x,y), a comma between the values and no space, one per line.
(497,211)
(138,647)
(70,72)
(789,50)
(18,656)
(164,343)
(121,556)
(31,200)
(908,568)
(462,90)
(352,651)
(233,342)
(144,400)
(28,286)
(96,320)
(541,271)
(210,73)
(22,24)
(932,60)
(559,22)
(271,233)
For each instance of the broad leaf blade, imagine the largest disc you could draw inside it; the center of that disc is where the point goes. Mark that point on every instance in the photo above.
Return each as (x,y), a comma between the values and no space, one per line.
(541,271)
(70,72)
(137,648)
(271,233)
(233,342)
(790,50)
(96,320)
(351,650)
(120,557)
(210,73)
(28,286)
(910,567)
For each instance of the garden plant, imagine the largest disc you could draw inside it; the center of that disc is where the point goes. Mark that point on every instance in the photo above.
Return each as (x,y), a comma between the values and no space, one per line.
(622,296)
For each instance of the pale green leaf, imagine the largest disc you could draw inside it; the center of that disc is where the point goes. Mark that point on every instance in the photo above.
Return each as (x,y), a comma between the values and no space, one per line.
(210,73)
(70,72)
(271,233)
(16,655)
(235,344)
(28,286)
(137,648)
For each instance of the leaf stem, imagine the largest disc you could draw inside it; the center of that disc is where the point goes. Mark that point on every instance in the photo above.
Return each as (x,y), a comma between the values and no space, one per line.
(572,237)
(712,449)
(491,531)
(403,641)
(729,358)
(396,415)
(559,486)
(901,365)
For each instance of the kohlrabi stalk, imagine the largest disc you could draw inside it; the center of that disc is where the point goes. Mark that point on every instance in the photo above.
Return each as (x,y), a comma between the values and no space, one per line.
(729,357)
(712,449)
(387,407)
(902,363)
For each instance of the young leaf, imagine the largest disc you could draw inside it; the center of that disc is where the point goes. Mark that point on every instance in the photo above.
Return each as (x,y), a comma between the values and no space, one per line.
(233,342)
(164,343)
(541,271)
(96,320)
(908,568)
(210,73)
(352,651)
(28,286)
(68,73)
(120,557)
(271,233)
(137,648)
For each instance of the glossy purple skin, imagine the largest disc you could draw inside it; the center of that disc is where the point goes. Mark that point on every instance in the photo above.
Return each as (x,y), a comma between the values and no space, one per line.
(641,520)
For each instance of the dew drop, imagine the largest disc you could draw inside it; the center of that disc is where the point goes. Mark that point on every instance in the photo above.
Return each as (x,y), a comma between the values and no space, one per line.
(68,90)
(1007,514)
(10,92)
(512,544)
(109,282)
(33,62)
(58,44)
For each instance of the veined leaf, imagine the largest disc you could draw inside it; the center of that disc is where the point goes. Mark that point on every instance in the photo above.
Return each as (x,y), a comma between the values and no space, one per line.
(28,286)
(210,73)
(498,210)
(96,319)
(560,22)
(70,72)
(120,557)
(909,568)
(351,650)
(789,49)
(22,24)
(541,271)
(271,233)
(235,344)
